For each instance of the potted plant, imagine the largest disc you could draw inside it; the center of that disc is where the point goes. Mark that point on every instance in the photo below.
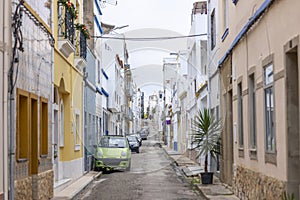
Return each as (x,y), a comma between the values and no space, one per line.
(206,138)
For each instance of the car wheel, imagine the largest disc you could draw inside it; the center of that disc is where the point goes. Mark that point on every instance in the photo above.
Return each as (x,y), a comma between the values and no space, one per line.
(129,166)
(138,150)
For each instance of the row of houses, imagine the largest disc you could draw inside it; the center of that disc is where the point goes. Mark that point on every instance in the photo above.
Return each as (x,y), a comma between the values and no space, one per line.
(56,98)
(246,71)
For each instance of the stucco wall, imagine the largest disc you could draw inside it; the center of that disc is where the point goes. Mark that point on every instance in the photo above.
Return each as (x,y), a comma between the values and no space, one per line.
(266,38)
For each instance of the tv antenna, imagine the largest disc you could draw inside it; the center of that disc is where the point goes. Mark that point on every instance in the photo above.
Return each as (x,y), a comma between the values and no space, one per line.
(111,2)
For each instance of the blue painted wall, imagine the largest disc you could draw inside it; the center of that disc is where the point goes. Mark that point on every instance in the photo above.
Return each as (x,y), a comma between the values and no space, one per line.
(90,135)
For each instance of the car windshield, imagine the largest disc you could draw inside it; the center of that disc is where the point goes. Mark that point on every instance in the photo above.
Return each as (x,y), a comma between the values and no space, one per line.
(112,142)
(131,138)
(138,136)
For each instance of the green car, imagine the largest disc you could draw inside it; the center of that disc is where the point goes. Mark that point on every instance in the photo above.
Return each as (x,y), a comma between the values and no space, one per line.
(113,153)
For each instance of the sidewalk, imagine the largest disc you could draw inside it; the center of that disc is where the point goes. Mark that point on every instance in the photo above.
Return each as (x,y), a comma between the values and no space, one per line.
(77,186)
(215,191)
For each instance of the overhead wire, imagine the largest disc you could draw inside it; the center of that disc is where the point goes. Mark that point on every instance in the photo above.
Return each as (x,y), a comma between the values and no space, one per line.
(144,39)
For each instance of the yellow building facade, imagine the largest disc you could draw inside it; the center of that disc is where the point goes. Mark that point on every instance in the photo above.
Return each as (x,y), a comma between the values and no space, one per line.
(68,90)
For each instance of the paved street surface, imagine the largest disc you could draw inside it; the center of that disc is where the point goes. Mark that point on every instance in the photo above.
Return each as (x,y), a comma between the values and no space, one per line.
(151,177)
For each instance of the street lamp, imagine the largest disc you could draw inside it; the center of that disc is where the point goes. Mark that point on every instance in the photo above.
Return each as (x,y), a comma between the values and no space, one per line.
(119,27)
(108,28)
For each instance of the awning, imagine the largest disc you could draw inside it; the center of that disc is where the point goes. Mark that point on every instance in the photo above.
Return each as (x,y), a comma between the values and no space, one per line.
(104,73)
(104,92)
(98,24)
(98,7)
(98,90)
(245,29)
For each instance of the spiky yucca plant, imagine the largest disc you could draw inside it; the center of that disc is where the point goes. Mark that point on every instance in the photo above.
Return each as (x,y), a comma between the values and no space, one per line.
(206,135)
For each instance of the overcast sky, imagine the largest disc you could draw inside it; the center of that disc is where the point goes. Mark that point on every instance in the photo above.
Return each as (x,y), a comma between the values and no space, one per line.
(173,15)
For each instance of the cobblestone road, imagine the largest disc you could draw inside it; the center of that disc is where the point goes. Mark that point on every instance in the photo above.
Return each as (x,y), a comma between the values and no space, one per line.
(151,177)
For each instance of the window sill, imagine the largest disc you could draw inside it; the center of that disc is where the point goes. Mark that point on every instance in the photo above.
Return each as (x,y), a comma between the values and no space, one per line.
(241,152)
(226,32)
(77,147)
(44,156)
(271,158)
(22,160)
(253,154)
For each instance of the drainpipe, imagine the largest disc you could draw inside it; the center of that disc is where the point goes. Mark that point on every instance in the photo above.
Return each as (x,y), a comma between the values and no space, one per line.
(6,62)
(52,91)
(208,50)
(11,141)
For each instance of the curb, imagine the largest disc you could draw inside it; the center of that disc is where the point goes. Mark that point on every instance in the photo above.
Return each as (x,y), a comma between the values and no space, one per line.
(186,179)
(94,177)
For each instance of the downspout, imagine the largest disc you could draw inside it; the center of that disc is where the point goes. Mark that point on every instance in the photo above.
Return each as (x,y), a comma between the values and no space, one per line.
(6,63)
(52,91)
(12,108)
(208,50)
(83,123)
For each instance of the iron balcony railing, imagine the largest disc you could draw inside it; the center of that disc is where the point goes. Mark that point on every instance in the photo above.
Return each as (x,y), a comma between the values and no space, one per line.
(81,46)
(66,27)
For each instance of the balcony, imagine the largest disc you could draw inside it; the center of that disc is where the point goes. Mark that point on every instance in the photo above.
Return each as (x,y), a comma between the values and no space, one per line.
(66,28)
(127,112)
(114,107)
(81,49)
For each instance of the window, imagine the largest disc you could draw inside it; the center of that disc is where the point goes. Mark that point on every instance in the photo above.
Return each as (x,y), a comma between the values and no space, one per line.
(217,113)
(269,108)
(44,127)
(195,85)
(97,124)
(252,111)
(225,20)
(100,126)
(62,125)
(240,115)
(22,146)
(77,130)
(99,72)
(225,12)
(33,135)
(213,30)
(29,144)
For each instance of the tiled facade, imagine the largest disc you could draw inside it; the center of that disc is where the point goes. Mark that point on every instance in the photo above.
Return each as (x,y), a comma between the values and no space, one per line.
(34,72)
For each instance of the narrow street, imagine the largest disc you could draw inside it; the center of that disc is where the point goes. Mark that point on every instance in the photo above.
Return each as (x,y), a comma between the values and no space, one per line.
(152,176)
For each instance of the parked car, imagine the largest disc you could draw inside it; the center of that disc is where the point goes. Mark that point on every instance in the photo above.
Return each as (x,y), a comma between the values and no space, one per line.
(146,129)
(143,134)
(139,138)
(134,143)
(112,153)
